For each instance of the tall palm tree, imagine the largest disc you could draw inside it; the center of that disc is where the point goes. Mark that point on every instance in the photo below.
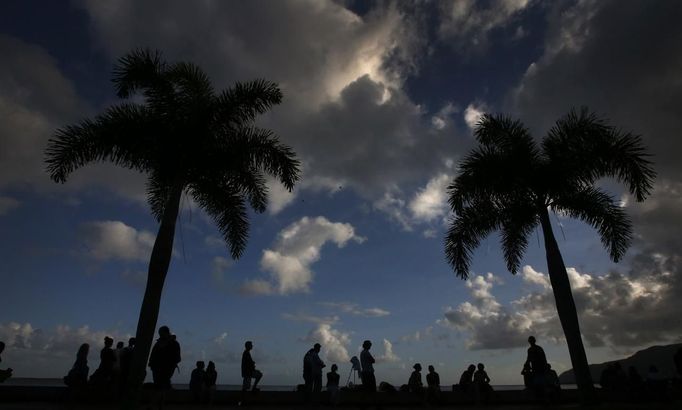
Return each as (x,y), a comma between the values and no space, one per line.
(187,138)
(509,183)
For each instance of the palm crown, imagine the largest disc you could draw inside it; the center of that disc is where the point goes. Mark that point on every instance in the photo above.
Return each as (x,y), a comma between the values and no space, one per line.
(508,182)
(186,138)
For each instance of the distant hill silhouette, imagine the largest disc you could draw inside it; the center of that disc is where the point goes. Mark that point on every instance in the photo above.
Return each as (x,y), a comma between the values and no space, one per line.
(659,356)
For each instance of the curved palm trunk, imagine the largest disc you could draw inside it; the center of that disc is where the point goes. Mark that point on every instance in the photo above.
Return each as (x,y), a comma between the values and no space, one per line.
(149,312)
(565,306)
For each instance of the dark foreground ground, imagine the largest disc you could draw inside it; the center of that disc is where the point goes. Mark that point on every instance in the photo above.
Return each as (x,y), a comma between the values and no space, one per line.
(605,406)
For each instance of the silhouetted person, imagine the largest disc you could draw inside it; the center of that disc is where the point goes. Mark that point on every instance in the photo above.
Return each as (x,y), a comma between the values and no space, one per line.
(211,380)
(527,376)
(7,373)
(197,381)
(635,383)
(126,358)
(312,370)
(466,380)
(678,361)
(655,383)
(78,375)
(117,355)
(249,369)
(552,384)
(369,382)
(333,385)
(164,358)
(104,374)
(433,384)
(482,384)
(536,356)
(414,384)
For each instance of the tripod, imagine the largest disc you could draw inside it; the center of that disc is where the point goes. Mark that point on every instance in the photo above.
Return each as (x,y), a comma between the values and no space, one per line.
(354,370)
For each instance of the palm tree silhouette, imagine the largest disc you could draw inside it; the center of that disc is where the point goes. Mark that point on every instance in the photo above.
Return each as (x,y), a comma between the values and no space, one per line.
(187,139)
(508,183)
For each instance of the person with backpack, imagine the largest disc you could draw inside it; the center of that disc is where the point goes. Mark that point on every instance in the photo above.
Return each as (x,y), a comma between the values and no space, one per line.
(164,358)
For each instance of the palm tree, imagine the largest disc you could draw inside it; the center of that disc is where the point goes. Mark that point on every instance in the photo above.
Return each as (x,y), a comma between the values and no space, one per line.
(187,139)
(508,183)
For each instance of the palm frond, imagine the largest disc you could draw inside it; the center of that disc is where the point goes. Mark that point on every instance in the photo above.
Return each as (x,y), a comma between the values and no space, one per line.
(601,211)
(121,135)
(518,223)
(141,68)
(466,231)
(503,133)
(228,210)
(191,82)
(260,149)
(241,103)
(158,191)
(584,148)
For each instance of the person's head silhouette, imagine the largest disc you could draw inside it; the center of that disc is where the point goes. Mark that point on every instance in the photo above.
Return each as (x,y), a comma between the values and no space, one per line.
(164,331)
(248,345)
(417,367)
(335,367)
(131,342)
(531,340)
(317,347)
(211,365)
(200,364)
(366,344)
(480,366)
(119,345)
(431,369)
(108,342)
(471,368)
(83,351)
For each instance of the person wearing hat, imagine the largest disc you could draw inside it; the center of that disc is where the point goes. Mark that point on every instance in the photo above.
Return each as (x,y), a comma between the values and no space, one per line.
(415,384)
(369,382)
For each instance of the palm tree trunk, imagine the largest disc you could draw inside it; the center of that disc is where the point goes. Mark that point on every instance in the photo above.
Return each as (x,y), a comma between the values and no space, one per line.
(149,312)
(565,306)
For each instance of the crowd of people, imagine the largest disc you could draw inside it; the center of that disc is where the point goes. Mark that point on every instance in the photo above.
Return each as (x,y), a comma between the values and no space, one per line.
(538,376)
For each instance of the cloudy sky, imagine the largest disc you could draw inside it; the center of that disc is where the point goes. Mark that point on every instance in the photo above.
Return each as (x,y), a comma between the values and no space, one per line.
(380,99)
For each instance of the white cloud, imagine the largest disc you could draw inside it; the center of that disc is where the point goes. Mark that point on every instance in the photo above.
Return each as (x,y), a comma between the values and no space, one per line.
(298,246)
(304,317)
(219,265)
(388,356)
(614,310)
(278,196)
(443,117)
(114,240)
(431,202)
(466,24)
(7,204)
(49,352)
(334,342)
(473,114)
(357,310)
(257,287)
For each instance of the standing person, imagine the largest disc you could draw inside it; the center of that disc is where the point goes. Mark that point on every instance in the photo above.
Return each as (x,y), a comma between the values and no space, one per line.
(164,358)
(414,384)
(126,359)
(433,384)
(312,370)
(369,382)
(197,381)
(118,352)
(249,369)
(78,375)
(537,361)
(104,374)
(333,385)
(7,373)
(211,380)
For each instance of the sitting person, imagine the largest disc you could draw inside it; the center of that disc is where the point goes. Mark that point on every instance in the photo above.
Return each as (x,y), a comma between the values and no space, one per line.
(466,380)
(7,373)
(482,384)
(78,375)
(552,384)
